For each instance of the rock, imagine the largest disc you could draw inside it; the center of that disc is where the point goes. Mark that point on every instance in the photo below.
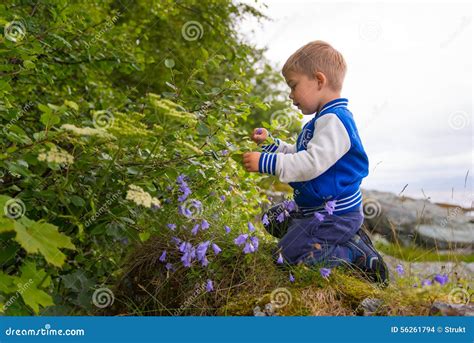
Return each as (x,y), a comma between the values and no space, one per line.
(446,309)
(257,312)
(268,311)
(372,307)
(427,270)
(418,221)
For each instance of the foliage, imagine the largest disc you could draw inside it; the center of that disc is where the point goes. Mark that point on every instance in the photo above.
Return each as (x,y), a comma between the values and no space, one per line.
(98,100)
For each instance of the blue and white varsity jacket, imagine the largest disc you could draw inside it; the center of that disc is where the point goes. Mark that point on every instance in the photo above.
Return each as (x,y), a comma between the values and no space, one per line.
(328,161)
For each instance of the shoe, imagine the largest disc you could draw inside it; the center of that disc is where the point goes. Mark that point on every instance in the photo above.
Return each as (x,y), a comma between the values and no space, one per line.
(368,259)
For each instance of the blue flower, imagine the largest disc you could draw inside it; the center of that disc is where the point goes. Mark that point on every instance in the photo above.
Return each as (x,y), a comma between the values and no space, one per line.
(325,272)
(204,261)
(171,226)
(241,239)
(329,206)
(189,253)
(319,216)
(186,192)
(180,178)
(182,246)
(281,217)
(280,259)
(254,241)
(441,279)
(216,248)
(168,266)
(227,229)
(184,210)
(249,248)
(183,187)
(204,224)
(222,197)
(265,220)
(290,205)
(426,282)
(251,227)
(209,286)
(195,230)
(202,249)
(292,278)
(400,269)
(163,256)
(176,240)
(186,259)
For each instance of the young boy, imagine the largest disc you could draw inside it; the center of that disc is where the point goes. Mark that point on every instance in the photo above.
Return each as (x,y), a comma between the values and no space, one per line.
(325,168)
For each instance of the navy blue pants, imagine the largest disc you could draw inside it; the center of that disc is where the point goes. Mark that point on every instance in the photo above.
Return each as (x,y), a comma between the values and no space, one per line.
(321,242)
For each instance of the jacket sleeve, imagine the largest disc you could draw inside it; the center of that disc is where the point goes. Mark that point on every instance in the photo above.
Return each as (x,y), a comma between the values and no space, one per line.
(329,143)
(279,146)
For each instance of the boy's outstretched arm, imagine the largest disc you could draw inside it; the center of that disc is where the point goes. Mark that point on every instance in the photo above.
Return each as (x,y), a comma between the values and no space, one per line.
(329,143)
(261,135)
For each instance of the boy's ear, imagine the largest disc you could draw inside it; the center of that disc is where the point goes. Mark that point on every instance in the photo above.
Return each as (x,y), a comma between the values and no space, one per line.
(321,78)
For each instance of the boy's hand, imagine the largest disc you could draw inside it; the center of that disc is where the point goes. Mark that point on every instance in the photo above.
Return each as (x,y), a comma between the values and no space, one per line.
(250,160)
(259,135)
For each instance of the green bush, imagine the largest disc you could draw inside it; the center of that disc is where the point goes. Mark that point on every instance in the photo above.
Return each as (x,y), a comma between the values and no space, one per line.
(102,108)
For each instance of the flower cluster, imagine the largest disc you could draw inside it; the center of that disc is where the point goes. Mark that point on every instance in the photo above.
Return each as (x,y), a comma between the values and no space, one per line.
(140,197)
(54,155)
(250,242)
(329,206)
(199,253)
(183,188)
(86,131)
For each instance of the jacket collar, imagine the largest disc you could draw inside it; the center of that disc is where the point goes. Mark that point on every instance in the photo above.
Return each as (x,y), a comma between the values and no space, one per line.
(339,102)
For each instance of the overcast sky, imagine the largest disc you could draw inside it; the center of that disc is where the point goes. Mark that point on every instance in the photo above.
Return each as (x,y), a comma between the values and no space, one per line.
(409,84)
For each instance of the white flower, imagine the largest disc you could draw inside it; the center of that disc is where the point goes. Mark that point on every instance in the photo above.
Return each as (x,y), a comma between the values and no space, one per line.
(56,156)
(140,197)
(86,131)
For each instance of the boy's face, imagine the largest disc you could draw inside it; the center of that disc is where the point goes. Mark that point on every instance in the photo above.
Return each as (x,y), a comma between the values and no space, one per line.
(305,91)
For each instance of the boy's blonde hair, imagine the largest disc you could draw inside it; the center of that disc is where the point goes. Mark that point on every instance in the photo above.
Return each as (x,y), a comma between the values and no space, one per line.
(318,56)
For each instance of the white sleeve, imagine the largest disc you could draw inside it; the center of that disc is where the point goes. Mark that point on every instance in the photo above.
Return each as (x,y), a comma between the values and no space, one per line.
(279,146)
(329,143)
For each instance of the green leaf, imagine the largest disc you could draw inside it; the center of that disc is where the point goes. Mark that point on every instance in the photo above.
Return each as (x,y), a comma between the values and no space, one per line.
(77,201)
(44,108)
(6,224)
(44,238)
(7,283)
(49,119)
(71,104)
(29,287)
(29,64)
